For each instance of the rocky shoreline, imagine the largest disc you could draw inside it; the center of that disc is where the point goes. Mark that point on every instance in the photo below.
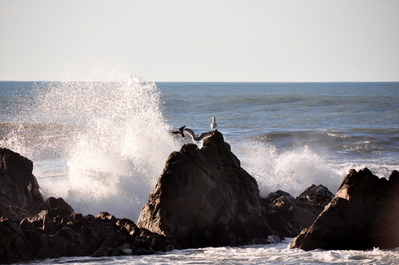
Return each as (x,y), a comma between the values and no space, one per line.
(202,198)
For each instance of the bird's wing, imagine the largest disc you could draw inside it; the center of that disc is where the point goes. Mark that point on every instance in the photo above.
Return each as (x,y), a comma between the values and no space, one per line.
(203,135)
(190,132)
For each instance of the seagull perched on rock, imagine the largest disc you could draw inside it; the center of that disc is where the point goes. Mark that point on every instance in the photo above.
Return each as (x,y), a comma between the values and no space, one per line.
(180,131)
(213,123)
(199,137)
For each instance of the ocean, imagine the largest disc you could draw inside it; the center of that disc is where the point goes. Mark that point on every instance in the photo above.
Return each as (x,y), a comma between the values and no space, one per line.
(102,146)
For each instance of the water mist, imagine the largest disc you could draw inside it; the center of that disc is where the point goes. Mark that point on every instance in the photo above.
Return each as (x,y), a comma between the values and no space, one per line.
(109,139)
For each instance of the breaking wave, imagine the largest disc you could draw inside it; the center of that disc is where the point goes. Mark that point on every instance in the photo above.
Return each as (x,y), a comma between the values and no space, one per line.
(101,145)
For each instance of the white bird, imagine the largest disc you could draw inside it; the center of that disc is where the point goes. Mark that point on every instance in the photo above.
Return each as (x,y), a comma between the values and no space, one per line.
(199,137)
(213,123)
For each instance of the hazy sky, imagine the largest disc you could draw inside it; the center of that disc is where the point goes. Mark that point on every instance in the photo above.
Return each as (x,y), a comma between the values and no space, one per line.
(202,40)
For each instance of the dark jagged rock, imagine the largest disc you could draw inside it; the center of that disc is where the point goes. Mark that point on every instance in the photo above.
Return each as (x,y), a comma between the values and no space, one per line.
(48,235)
(146,242)
(57,203)
(316,196)
(20,196)
(363,214)
(19,190)
(51,229)
(206,194)
(289,216)
(204,198)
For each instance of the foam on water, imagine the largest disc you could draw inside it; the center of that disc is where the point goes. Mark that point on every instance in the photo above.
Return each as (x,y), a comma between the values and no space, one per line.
(251,254)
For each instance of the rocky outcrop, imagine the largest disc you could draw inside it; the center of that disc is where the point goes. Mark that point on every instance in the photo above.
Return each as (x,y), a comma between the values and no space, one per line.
(19,191)
(289,216)
(50,234)
(204,198)
(31,228)
(363,214)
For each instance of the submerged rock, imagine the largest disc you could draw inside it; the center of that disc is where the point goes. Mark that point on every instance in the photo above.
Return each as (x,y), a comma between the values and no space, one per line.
(363,214)
(204,198)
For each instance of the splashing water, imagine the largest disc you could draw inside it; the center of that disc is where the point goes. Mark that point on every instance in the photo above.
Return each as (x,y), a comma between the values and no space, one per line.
(124,150)
(290,170)
(112,137)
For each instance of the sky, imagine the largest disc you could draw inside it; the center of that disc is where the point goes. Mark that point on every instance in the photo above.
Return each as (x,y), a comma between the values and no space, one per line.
(203,40)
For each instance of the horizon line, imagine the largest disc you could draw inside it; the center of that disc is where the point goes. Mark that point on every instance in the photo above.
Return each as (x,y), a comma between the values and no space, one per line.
(50,81)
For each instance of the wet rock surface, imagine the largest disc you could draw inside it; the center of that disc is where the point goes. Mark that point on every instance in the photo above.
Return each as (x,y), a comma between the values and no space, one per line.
(363,214)
(204,198)
(19,191)
(33,228)
(50,234)
(289,216)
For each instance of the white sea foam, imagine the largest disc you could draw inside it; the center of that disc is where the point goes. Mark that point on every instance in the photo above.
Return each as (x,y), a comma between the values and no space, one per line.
(251,254)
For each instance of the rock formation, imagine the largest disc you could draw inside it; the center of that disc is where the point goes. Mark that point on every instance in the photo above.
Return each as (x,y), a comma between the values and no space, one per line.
(363,214)
(19,191)
(31,228)
(204,198)
(289,216)
(52,235)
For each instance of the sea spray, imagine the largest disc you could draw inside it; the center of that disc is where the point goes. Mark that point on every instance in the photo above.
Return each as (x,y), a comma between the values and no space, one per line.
(117,161)
(291,170)
(111,137)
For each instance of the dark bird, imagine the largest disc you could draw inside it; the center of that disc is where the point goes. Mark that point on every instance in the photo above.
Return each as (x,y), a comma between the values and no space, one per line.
(199,137)
(180,131)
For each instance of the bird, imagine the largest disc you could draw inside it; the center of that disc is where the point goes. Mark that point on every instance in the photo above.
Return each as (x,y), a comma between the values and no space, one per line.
(199,137)
(180,131)
(213,123)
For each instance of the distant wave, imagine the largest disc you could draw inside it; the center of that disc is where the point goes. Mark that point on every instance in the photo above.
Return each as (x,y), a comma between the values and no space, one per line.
(364,141)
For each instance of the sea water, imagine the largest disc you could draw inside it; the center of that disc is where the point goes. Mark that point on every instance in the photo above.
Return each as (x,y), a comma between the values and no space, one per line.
(102,146)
